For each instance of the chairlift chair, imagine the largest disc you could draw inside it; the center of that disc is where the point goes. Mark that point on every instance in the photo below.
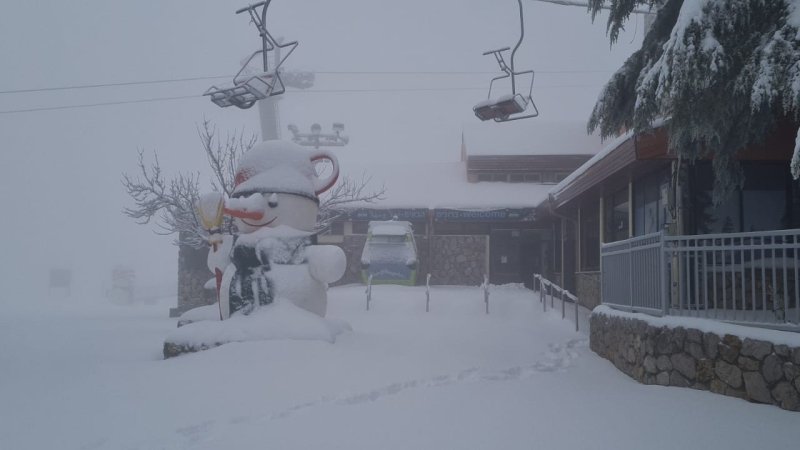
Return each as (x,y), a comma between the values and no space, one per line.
(248,88)
(512,106)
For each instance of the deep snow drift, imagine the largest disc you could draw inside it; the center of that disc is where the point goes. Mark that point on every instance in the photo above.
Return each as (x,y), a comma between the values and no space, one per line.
(90,375)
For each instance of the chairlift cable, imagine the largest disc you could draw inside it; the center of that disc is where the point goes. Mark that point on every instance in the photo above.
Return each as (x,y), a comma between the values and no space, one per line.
(330,72)
(315,91)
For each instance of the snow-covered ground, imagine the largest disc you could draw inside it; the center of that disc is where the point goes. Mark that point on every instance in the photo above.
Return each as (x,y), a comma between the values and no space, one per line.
(89,375)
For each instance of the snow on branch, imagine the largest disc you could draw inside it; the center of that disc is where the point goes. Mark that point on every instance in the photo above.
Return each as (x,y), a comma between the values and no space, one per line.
(725,73)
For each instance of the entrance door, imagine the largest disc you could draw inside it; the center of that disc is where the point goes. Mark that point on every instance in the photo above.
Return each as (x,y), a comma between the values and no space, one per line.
(514,255)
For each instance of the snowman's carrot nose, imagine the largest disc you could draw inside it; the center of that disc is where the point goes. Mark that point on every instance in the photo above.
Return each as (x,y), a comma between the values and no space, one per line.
(243,214)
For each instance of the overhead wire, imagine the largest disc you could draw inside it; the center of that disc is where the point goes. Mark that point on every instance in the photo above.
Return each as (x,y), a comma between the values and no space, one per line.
(298,91)
(215,77)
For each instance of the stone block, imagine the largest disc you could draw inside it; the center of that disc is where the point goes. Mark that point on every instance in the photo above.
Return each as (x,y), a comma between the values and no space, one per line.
(756,388)
(733,341)
(705,370)
(717,386)
(663,378)
(695,349)
(738,393)
(786,395)
(649,346)
(728,353)
(756,349)
(782,351)
(772,369)
(650,364)
(684,364)
(664,344)
(796,355)
(747,364)
(730,374)
(678,337)
(663,363)
(710,344)
(676,379)
(694,335)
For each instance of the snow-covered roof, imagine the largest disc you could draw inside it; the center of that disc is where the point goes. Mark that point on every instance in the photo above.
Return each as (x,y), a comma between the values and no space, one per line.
(390,227)
(439,185)
(609,147)
(530,137)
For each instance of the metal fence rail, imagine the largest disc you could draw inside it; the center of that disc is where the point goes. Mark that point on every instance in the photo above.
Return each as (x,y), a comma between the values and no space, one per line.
(748,278)
(631,274)
(548,288)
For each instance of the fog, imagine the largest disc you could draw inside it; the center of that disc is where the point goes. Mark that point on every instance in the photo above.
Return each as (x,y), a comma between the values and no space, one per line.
(60,169)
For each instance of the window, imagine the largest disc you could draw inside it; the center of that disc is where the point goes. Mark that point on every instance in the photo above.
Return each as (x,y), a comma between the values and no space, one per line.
(516,178)
(500,177)
(448,228)
(533,177)
(560,176)
(336,228)
(617,220)
(548,178)
(484,177)
(476,228)
(764,198)
(649,203)
(590,237)
(360,227)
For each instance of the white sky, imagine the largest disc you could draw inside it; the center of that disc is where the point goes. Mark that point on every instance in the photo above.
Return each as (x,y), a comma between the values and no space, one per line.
(60,170)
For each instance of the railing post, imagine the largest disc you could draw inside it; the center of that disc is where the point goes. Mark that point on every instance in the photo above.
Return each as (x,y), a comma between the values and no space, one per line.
(663,267)
(575,299)
(563,305)
(369,290)
(541,295)
(428,293)
(486,292)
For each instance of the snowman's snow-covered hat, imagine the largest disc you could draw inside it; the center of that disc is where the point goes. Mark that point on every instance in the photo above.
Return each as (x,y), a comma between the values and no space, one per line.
(283,167)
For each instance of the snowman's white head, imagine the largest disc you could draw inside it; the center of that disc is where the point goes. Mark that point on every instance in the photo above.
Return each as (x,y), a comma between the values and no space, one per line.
(277,184)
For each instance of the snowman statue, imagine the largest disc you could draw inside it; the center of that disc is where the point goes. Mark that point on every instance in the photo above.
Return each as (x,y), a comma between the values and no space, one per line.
(274,205)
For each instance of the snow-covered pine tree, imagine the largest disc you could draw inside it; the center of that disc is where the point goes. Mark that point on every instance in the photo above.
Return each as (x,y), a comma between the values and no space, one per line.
(722,73)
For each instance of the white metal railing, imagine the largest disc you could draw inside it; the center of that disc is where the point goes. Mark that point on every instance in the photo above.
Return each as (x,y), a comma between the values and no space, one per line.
(548,288)
(485,287)
(631,273)
(428,293)
(748,278)
(369,291)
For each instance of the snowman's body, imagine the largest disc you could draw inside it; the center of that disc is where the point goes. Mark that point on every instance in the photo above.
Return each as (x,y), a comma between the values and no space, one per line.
(275,206)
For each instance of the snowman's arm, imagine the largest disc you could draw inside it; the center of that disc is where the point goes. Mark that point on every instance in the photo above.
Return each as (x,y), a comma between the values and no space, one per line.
(219,253)
(326,263)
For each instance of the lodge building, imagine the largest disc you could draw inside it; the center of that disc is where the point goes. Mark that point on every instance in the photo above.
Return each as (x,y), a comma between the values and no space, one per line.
(635,186)
(476,217)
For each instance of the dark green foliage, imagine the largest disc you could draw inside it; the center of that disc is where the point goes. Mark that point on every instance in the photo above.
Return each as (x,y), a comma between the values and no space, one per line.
(722,78)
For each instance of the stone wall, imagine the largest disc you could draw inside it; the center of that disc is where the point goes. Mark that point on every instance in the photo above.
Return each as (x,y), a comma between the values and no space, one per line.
(193,274)
(750,369)
(455,259)
(587,288)
(352,245)
(459,260)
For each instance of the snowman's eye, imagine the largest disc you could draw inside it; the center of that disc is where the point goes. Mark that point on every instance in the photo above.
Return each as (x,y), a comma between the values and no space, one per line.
(273,201)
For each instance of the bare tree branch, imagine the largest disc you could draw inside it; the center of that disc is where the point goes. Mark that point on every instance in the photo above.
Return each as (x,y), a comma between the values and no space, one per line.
(169,203)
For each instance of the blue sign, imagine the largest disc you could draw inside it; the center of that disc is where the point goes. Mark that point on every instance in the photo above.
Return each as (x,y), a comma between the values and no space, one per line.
(388,214)
(494,215)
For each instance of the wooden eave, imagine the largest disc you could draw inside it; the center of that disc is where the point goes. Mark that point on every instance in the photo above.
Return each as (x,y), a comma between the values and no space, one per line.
(639,152)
